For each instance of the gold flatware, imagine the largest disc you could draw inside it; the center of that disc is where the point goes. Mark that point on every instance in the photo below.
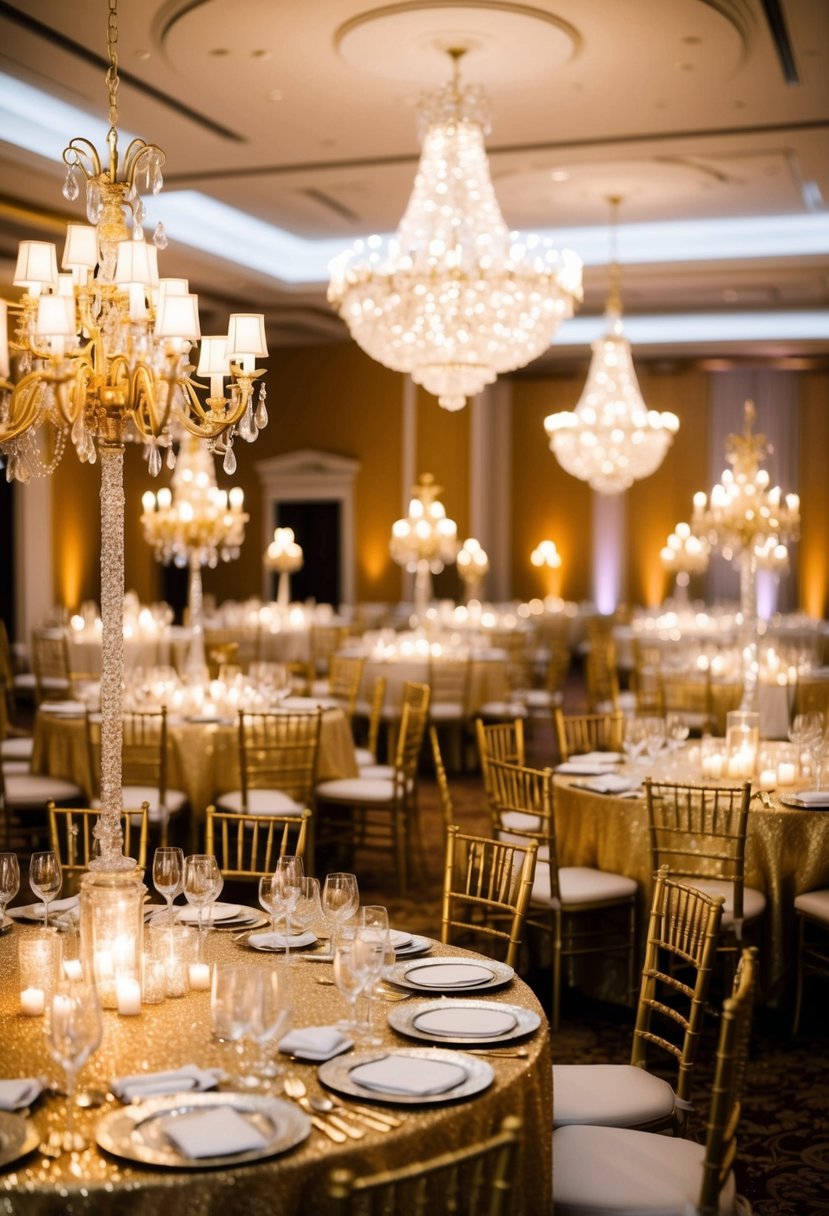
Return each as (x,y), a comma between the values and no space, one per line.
(295,1088)
(505,1053)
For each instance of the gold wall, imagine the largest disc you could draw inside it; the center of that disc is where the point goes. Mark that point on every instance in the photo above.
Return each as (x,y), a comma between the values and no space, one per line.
(337,399)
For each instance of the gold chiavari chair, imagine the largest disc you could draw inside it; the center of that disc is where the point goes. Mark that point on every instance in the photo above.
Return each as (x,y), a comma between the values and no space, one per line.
(144,767)
(582,910)
(676,977)
(597,732)
(15,744)
(486,891)
(247,846)
(367,756)
(449,681)
(811,693)
(343,683)
(277,763)
(23,805)
(444,792)
(699,833)
(601,673)
(689,693)
(499,741)
(381,810)
(50,665)
(812,913)
(326,640)
(723,696)
(71,837)
(473,1181)
(623,1171)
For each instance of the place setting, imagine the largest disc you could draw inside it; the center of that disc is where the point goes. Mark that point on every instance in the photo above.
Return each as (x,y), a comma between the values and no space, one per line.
(452,1021)
(450,975)
(590,764)
(416,1076)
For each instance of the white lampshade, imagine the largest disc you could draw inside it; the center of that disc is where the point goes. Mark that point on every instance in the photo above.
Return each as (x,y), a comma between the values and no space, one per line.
(152,258)
(246,335)
(81,247)
(37,265)
(213,360)
(56,317)
(133,265)
(178,317)
(4,340)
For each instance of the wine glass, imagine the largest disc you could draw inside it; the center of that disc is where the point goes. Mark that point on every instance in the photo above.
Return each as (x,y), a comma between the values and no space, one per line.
(168,875)
(9,880)
(350,976)
(73,1031)
(806,732)
(231,1003)
(308,908)
(655,736)
(199,879)
(288,877)
(633,742)
(677,730)
(340,899)
(269,898)
(280,681)
(271,1011)
(374,949)
(45,879)
(217,883)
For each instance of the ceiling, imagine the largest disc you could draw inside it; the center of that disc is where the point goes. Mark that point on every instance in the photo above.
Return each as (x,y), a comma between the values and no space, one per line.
(302,114)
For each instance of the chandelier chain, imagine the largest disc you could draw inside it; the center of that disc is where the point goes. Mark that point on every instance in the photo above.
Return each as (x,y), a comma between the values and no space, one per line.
(112,71)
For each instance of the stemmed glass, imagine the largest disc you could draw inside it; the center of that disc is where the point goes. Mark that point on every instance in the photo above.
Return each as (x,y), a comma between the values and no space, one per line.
(351,975)
(376,952)
(217,883)
(269,898)
(287,878)
(633,743)
(231,1003)
(806,732)
(168,875)
(73,1031)
(340,899)
(199,880)
(45,879)
(308,908)
(9,880)
(271,1010)
(655,736)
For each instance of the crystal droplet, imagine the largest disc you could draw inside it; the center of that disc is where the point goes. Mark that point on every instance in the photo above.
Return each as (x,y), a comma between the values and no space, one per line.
(140,212)
(160,236)
(261,411)
(156,178)
(229,462)
(154,462)
(93,202)
(78,434)
(171,457)
(71,189)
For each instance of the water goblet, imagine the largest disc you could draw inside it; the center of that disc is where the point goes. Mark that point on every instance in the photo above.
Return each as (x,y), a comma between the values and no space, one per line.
(633,743)
(45,879)
(806,732)
(271,1011)
(168,875)
(9,880)
(340,899)
(199,880)
(73,1031)
(373,947)
(288,877)
(217,883)
(231,1002)
(270,898)
(350,977)
(308,909)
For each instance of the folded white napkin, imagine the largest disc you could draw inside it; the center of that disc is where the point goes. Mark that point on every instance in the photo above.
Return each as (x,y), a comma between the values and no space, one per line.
(409,1075)
(62,707)
(190,915)
(315,1042)
(813,797)
(610,783)
(38,911)
(598,757)
(277,941)
(180,1080)
(217,1131)
(450,975)
(463,1021)
(16,1094)
(583,768)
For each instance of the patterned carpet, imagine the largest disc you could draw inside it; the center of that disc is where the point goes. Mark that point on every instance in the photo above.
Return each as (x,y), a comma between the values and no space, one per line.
(783,1144)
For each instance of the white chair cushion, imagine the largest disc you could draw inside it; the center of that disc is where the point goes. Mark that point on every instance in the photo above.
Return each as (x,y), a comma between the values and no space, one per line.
(364,757)
(501,710)
(31,789)
(611,1095)
(320,688)
(134,795)
(15,766)
(447,711)
(754,901)
(815,904)
(260,802)
(19,748)
(357,790)
(385,772)
(582,885)
(599,1171)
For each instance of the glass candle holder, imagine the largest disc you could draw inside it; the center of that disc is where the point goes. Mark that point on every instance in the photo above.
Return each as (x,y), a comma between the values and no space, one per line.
(713,758)
(176,947)
(112,931)
(742,742)
(39,959)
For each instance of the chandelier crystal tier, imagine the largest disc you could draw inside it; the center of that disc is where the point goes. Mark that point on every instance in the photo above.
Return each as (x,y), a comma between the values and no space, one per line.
(425,541)
(284,556)
(748,522)
(102,356)
(611,439)
(454,298)
(194,524)
(472,562)
(682,555)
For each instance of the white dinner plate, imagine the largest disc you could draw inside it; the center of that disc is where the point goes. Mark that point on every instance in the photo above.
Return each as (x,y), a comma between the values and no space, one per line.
(190,916)
(18,1136)
(463,1022)
(792,800)
(451,975)
(343,1073)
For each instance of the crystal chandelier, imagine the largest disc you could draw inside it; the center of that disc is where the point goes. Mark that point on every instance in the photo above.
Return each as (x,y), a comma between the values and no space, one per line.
(284,556)
(425,541)
(194,524)
(102,356)
(473,565)
(611,439)
(684,554)
(748,522)
(454,298)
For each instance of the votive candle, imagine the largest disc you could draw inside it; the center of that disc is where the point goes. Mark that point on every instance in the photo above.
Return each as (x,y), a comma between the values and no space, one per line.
(32,1002)
(199,975)
(128,996)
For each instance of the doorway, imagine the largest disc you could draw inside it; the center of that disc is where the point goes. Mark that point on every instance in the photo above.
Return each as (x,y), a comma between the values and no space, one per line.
(316,527)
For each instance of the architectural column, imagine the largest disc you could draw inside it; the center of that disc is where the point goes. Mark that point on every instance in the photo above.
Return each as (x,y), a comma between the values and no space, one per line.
(609,551)
(34,585)
(408,469)
(490,483)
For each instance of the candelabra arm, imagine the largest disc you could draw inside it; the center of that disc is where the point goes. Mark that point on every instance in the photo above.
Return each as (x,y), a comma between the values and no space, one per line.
(422,589)
(196,658)
(283,592)
(749,643)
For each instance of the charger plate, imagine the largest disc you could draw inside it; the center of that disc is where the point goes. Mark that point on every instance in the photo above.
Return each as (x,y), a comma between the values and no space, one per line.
(427,975)
(18,1136)
(338,1074)
(136,1132)
(413,1021)
(798,803)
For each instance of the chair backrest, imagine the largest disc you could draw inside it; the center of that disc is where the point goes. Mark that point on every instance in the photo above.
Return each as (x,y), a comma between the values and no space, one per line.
(699,831)
(449,681)
(473,1181)
(407,752)
(723,696)
(729,1075)
(248,845)
(279,751)
(557,668)
(344,675)
(515,643)
(375,717)
(326,640)
(594,732)
(417,695)
(50,664)
(71,836)
(521,805)
(689,692)
(676,977)
(811,693)
(486,890)
(499,741)
(144,749)
(440,776)
(601,674)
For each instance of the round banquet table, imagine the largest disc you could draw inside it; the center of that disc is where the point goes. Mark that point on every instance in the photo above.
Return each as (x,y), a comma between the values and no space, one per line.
(176,1033)
(787,853)
(487,678)
(203,757)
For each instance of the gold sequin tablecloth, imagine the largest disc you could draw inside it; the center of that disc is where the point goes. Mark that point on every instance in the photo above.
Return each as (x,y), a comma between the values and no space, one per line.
(787,853)
(177,1032)
(203,756)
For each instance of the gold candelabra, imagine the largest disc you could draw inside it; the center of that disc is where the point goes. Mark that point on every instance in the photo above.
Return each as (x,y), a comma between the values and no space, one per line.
(284,556)
(425,541)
